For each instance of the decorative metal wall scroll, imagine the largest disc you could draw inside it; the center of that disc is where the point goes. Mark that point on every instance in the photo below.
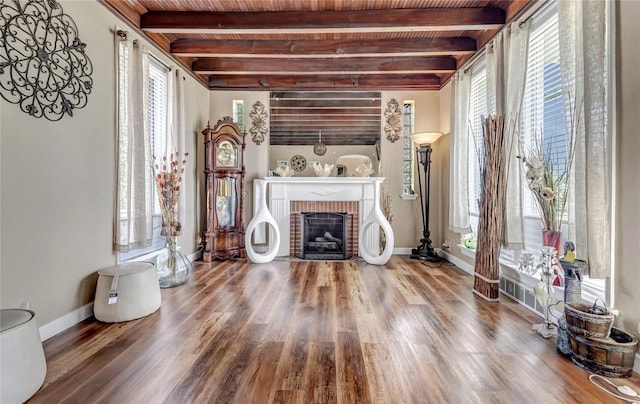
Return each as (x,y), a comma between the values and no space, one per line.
(393,116)
(258,123)
(43,64)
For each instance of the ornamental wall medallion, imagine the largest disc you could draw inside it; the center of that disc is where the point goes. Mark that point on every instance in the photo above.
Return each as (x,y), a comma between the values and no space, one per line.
(298,162)
(43,65)
(393,116)
(258,123)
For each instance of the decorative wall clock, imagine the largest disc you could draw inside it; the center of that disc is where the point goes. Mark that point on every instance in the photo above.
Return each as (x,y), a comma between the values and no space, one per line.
(393,116)
(258,123)
(43,65)
(298,162)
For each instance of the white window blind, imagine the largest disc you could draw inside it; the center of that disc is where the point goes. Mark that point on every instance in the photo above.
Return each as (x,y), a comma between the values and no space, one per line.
(158,110)
(477,110)
(408,152)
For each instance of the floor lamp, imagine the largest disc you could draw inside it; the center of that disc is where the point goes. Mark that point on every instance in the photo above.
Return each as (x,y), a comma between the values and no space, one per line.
(423,142)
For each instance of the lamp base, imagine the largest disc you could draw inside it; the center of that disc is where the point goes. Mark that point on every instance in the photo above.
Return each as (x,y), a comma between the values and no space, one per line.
(546,329)
(425,255)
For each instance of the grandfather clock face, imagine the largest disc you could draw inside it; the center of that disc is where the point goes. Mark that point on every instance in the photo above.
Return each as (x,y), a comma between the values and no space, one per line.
(226,154)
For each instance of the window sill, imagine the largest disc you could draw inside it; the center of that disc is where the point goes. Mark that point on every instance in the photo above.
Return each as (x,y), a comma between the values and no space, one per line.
(510,270)
(409,197)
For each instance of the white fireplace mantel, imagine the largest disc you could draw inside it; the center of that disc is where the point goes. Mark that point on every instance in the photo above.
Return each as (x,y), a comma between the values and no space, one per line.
(365,190)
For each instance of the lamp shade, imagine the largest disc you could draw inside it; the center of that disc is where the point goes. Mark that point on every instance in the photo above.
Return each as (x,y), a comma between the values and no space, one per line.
(425,137)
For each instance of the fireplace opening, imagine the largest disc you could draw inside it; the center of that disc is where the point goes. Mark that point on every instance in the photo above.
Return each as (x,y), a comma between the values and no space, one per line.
(324,235)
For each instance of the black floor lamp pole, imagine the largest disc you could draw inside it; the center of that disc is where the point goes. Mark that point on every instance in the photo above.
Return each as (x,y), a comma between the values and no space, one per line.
(425,251)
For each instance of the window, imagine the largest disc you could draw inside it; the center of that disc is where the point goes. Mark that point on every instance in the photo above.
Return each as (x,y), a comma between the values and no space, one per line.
(541,121)
(238,113)
(157,109)
(542,116)
(477,110)
(408,153)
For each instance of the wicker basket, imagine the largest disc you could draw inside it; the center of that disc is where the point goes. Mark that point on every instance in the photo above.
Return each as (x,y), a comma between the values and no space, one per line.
(612,357)
(581,322)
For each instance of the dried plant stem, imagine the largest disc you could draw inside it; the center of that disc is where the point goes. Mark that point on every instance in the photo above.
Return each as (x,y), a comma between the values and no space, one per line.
(493,175)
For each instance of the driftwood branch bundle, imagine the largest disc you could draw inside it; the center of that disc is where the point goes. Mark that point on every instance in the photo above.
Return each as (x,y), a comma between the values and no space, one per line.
(494,162)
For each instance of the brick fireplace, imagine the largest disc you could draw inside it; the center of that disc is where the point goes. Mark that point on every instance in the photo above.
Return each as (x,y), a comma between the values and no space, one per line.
(352,195)
(298,209)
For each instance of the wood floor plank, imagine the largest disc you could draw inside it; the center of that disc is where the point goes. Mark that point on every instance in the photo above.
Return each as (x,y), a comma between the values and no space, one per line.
(295,331)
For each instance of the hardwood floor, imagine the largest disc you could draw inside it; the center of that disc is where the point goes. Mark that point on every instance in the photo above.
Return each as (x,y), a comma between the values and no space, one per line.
(322,332)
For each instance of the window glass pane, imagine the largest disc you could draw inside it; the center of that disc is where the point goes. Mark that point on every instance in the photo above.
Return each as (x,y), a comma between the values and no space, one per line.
(238,113)
(408,154)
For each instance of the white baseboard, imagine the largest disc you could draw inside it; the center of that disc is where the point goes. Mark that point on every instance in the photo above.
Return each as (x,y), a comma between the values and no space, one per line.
(195,255)
(466,267)
(636,364)
(402,251)
(68,320)
(80,314)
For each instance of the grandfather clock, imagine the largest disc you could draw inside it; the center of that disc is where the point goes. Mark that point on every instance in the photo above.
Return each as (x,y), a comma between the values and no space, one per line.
(224,172)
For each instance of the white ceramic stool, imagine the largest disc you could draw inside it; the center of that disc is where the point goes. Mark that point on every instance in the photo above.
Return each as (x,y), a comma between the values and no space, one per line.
(125,292)
(21,356)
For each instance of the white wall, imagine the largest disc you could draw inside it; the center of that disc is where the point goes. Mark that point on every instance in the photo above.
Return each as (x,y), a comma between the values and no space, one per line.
(256,157)
(407,222)
(627,283)
(57,185)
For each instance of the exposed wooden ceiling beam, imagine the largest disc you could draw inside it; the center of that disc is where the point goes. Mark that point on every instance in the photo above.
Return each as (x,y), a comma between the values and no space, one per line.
(343,21)
(324,95)
(323,48)
(325,82)
(265,66)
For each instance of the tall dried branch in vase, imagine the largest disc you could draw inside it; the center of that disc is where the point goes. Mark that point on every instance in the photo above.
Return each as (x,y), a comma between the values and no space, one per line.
(168,174)
(173,267)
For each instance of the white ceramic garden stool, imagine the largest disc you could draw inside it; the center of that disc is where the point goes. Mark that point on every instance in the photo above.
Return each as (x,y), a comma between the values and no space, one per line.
(21,356)
(126,292)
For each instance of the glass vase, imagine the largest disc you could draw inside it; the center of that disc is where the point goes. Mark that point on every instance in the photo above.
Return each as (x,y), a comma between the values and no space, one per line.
(174,268)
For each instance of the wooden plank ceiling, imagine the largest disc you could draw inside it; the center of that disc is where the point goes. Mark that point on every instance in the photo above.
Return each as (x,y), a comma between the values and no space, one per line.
(324,61)
(281,45)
